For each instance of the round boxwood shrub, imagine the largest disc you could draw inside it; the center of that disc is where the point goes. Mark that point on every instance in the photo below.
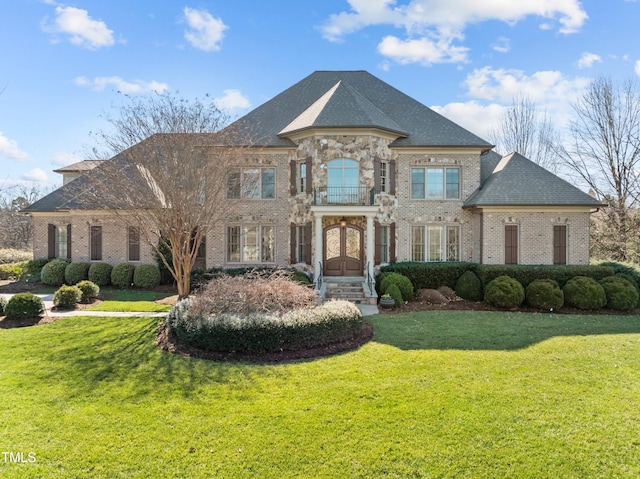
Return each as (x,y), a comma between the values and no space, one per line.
(469,286)
(52,273)
(395,293)
(583,292)
(620,293)
(89,289)
(146,276)
(402,282)
(76,272)
(100,273)
(504,292)
(66,297)
(259,333)
(23,306)
(544,294)
(122,275)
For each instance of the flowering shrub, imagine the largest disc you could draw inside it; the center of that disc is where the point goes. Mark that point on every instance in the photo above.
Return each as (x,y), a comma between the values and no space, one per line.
(263,332)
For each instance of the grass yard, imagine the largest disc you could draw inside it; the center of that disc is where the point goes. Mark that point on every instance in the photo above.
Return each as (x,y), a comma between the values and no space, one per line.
(439,394)
(130,306)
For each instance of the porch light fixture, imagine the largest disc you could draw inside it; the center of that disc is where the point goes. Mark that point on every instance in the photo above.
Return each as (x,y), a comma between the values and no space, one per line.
(343,222)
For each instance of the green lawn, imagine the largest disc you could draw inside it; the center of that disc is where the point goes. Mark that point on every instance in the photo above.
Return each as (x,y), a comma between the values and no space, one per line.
(130,306)
(441,394)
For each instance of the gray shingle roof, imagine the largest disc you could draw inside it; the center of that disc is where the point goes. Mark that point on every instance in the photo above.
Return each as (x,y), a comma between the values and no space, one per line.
(517,181)
(358,99)
(80,166)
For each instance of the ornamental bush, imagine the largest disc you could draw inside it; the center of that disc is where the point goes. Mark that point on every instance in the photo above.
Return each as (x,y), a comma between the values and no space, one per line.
(260,332)
(52,273)
(11,271)
(402,282)
(146,276)
(89,289)
(544,294)
(23,306)
(584,293)
(100,273)
(122,275)
(3,303)
(504,292)
(66,297)
(620,293)
(76,272)
(395,293)
(34,266)
(469,286)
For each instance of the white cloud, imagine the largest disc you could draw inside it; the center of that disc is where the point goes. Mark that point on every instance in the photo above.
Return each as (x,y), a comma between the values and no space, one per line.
(431,25)
(588,59)
(63,159)
(205,32)
(232,100)
(36,175)
(637,68)
(137,86)
(424,50)
(9,149)
(473,116)
(503,45)
(82,30)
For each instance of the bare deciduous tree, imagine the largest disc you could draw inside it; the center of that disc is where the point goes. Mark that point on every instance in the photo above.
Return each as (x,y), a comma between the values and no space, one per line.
(169,176)
(524,129)
(605,154)
(16,230)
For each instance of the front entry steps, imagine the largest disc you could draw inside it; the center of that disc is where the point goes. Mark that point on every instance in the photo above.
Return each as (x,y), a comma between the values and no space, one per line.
(349,288)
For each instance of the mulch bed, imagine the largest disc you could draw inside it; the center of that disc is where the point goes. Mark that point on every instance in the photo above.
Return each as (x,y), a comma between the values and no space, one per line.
(168,341)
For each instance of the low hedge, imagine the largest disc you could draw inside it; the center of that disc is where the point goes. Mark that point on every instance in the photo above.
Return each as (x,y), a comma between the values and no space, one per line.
(430,275)
(526,274)
(24,306)
(263,333)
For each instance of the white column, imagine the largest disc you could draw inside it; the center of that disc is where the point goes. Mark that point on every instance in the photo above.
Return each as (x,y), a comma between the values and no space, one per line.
(371,245)
(317,254)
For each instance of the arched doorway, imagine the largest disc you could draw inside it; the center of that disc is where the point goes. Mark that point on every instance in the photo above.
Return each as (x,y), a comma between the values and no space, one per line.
(343,251)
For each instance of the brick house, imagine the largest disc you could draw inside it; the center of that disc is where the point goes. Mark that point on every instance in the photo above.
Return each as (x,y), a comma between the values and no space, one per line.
(350,173)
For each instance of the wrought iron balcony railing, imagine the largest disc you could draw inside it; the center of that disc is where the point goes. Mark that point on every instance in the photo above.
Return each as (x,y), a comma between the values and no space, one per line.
(343,195)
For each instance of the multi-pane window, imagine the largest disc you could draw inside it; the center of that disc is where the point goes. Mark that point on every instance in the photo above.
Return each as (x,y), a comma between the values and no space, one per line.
(384,244)
(435,183)
(61,242)
(435,243)
(384,177)
(133,242)
(252,183)
(58,241)
(95,245)
(251,244)
(301,243)
(302,177)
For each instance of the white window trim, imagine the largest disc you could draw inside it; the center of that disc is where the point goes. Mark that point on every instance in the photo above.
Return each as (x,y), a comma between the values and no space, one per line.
(241,244)
(444,236)
(424,196)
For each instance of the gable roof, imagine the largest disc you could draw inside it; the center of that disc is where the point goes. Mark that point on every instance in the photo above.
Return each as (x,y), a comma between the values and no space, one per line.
(79,167)
(517,181)
(351,99)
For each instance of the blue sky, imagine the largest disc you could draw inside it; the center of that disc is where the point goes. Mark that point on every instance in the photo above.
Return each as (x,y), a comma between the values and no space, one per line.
(64,64)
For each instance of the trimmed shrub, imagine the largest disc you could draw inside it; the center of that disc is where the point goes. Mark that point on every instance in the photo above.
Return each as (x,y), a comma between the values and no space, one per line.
(504,292)
(525,274)
(23,306)
(76,272)
(66,297)
(259,333)
(628,270)
(544,294)
(621,294)
(584,293)
(146,276)
(53,272)
(395,294)
(89,289)
(469,286)
(3,303)
(402,282)
(122,275)
(100,273)
(430,275)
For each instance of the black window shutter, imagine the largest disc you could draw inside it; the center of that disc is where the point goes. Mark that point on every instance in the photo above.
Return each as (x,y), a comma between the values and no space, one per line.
(307,245)
(377,257)
(293,243)
(392,177)
(309,175)
(392,242)
(51,241)
(69,241)
(293,166)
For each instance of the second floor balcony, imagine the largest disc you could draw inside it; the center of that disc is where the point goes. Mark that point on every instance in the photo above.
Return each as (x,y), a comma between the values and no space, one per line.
(344,195)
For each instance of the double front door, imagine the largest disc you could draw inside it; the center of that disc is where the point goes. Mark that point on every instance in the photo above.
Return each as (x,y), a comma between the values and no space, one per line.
(343,251)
